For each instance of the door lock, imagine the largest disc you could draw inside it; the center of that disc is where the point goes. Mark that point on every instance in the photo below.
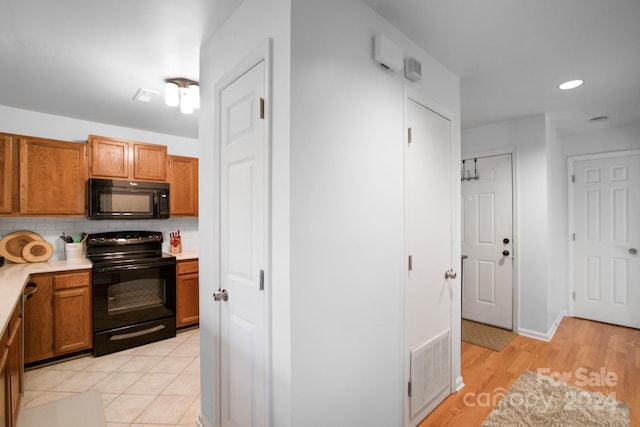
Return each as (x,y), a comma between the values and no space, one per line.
(222,295)
(450,274)
(633,251)
(505,241)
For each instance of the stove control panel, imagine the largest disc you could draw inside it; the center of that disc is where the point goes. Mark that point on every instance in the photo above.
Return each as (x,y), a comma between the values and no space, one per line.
(114,238)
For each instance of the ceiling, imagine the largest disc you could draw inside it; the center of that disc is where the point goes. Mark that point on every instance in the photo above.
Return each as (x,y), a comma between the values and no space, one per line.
(87,60)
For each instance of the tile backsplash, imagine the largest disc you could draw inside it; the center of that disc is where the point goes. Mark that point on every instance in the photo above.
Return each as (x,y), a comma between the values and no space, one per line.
(52,228)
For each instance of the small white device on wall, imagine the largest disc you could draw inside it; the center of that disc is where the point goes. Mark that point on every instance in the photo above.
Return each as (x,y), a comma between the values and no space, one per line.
(412,69)
(387,53)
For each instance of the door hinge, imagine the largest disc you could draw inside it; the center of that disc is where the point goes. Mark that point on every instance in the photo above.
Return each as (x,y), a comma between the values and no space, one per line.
(573,178)
(410,262)
(574,237)
(262,280)
(409,136)
(262,108)
(573,295)
(409,388)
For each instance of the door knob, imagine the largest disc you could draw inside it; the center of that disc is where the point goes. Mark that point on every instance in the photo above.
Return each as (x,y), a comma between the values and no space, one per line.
(505,253)
(222,295)
(633,251)
(450,274)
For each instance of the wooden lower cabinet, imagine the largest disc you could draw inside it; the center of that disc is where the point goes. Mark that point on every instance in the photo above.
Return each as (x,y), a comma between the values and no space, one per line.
(11,370)
(57,316)
(5,408)
(187,293)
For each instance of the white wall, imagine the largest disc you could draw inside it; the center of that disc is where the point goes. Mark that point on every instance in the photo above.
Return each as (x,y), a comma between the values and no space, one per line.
(337,269)
(527,135)
(31,123)
(347,263)
(250,26)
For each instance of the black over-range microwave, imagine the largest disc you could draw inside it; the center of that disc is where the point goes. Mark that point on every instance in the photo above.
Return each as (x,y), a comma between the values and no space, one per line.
(123,199)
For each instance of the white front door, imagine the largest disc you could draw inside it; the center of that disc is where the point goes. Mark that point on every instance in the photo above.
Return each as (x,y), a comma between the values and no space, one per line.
(243,251)
(428,237)
(606,206)
(487,241)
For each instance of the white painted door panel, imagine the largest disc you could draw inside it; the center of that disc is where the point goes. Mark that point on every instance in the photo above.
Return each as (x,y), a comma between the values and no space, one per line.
(428,231)
(487,217)
(243,160)
(607,229)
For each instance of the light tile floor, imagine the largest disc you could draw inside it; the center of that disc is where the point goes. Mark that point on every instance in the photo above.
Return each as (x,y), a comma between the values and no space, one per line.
(153,385)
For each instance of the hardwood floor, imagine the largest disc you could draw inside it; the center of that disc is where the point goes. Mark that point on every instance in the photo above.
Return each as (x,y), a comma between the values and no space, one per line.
(594,356)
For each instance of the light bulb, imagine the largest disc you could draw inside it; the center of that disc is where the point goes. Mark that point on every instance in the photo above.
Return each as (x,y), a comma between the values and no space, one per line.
(186,106)
(194,95)
(171,95)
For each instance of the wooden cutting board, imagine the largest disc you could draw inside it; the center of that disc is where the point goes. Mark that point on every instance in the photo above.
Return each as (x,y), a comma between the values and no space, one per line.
(37,251)
(12,244)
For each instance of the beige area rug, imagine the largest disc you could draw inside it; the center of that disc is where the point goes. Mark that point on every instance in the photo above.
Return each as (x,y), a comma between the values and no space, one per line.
(485,336)
(535,400)
(81,410)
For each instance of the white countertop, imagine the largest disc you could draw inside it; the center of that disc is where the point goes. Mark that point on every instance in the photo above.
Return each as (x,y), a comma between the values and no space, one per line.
(186,255)
(14,277)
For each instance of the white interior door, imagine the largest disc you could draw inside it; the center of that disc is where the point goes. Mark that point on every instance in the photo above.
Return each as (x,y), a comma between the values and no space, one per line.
(428,236)
(487,240)
(606,206)
(243,251)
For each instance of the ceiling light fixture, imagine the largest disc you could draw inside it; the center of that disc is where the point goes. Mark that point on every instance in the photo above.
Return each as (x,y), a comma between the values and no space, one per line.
(571,84)
(182,92)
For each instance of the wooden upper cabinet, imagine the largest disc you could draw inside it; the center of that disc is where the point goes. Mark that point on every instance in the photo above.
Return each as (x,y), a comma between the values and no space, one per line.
(121,159)
(53,177)
(8,168)
(149,162)
(109,158)
(183,178)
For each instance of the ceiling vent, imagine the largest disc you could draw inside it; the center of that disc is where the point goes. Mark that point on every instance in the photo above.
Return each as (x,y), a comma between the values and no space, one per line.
(144,95)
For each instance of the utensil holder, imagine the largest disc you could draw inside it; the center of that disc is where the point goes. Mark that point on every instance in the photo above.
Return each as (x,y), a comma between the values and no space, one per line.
(74,251)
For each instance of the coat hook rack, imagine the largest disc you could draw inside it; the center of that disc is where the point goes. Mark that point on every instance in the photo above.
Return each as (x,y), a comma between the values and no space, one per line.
(466,173)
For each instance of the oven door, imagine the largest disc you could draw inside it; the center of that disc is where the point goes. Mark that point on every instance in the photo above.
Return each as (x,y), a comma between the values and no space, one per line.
(133,304)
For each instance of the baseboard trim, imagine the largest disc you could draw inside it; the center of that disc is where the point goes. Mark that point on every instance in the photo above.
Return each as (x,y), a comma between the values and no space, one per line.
(203,422)
(543,336)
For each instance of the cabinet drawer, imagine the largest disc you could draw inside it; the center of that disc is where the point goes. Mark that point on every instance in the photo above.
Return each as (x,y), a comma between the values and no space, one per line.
(187,267)
(72,280)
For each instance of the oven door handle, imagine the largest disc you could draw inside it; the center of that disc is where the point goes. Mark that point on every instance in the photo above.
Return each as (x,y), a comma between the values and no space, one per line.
(133,266)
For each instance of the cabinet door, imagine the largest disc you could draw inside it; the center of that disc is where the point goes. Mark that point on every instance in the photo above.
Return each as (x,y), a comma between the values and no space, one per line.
(149,162)
(72,324)
(187,296)
(187,293)
(72,320)
(110,158)
(53,176)
(6,174)
(5,404)
(14,366)
(183,178)
(38,320)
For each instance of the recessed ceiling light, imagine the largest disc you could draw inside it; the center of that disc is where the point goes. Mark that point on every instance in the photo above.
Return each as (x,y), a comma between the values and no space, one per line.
(144,95)
(571,84)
